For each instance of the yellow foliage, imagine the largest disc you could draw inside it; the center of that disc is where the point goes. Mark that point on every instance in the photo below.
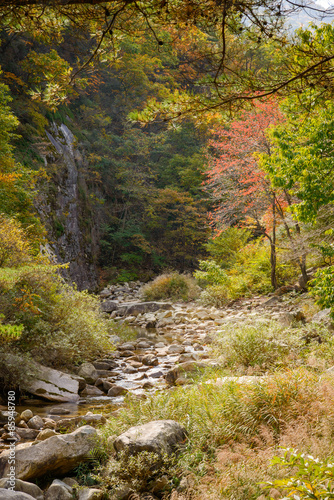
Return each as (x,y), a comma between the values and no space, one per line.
(14,246)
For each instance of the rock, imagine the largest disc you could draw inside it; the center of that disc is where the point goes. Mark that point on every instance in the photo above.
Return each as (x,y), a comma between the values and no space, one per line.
(117,390)
(290,318)
(128,346)
(4,415)
(58,454)
(14,495)
(127,354)
(70,481)
(91,390)
(324,318)
(273,301)
(46,434)
(59,411)
(109,306)
(93,418)
(175,349)
(101,365)
(81,381)
(28,434)
(90,494)
(130,370)
(150,360)
(22,486)
(59,491)
(88,372)
(160,484)
(156,374)
(188,356)
(27,415)
(131,309)
(148,385)
(44,382)
(158,436)
(176,372)
(49,423)
(35,422)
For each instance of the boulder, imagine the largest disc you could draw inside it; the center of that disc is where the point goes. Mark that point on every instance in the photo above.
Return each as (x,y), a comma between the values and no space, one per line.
(44,382)
(90,494)
(109,306)
(57,454)
(35,422)
(14,495)
(179,370)
(91,390)
(46,434)
(23,487)
(158,436)
(88,372)
(29,434)
(131,309)
(59,491)
(27,415)
(323,317)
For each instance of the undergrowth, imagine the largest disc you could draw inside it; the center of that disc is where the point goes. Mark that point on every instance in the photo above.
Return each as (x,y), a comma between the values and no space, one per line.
(173,286)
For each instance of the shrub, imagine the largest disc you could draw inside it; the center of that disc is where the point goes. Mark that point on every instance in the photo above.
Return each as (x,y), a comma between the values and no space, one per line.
(323,288)
(61,326)
(311,479)
(224,248)
(171,286)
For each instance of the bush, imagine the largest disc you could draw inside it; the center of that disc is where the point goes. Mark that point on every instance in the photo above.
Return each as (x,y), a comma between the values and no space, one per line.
(171,286)
(312,478)
(224,248)
(323,288)
(59,325)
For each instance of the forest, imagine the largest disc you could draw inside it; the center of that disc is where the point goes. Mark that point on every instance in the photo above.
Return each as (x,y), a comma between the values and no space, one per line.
(184,147)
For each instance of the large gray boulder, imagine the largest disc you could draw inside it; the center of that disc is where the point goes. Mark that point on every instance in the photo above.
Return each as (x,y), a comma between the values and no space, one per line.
(23,487)
(158,436)
(58,454)
(45,382)
(131,309)
(59,491)
(109,306)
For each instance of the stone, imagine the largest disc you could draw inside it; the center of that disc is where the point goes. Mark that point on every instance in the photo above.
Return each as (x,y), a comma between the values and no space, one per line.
(130,370)
(109,306)
(91,390)
(23,487)
(14,495)
(27,415)
(117,390)
(128,346)
(176,372)
(158,436)
(156,374)
(49,423)
(35,422)
(59,411)
(27,434)
(44,382)
(150,360)
(131,309)
(323,317)
(273,301)
(58,454)
(148,385)
(126,354)
(89,494)
(45,434)
(93,418)
(59,491)
(175,349)
(88,372)
(70,481)
(101,365)
(4,415)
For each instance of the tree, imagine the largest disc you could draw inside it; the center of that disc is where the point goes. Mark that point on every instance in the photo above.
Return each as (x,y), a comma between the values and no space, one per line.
(228,29)
(241,189)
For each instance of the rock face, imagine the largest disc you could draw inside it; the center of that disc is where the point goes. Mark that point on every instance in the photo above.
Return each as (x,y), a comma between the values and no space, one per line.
(58,454)
(158,436)
(74,238)
(46,382)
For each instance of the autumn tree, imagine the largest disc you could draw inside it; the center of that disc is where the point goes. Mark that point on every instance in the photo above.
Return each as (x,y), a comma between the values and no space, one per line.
(242,192)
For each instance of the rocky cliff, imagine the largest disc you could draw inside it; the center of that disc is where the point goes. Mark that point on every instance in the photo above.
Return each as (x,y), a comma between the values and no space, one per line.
(65,209)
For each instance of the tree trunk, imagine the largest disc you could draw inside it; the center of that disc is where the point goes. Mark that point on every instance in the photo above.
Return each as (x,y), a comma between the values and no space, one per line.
(273,249)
